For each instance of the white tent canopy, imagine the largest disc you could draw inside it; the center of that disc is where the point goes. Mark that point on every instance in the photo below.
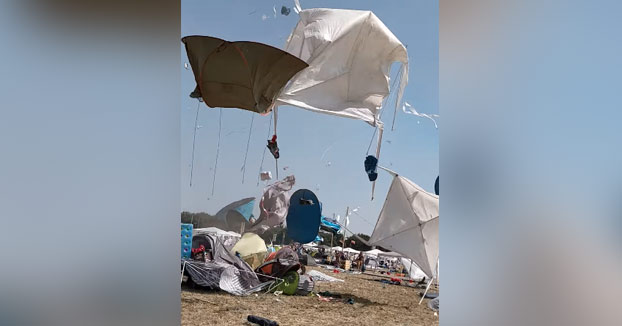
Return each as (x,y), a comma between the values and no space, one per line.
(408,224)
(349,53)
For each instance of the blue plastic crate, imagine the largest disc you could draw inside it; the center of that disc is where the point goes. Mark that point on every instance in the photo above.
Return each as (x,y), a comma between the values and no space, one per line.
(186,240)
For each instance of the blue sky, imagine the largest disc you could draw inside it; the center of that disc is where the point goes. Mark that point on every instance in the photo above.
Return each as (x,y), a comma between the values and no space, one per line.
(304,136)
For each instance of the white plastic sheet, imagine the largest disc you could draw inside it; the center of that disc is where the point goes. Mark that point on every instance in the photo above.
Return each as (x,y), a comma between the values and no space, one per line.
(349,53)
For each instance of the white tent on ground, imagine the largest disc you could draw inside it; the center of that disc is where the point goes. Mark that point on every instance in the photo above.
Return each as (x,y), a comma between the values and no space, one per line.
(373,252)
(351,251)
(408,224)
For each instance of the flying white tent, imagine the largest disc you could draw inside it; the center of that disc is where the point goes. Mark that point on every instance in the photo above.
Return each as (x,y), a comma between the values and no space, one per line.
(408,224)
(349,53)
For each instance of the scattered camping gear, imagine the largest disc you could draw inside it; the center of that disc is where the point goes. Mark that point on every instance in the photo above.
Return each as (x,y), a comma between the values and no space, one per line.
(223,271)
(303,217)
(307,260)
(278,264)
(251,248)
(261,321)
(245,75)
(306,284)
(321,277)
(289,284)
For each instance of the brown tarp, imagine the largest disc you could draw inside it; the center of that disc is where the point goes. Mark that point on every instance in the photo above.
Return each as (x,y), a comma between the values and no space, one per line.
(245,75)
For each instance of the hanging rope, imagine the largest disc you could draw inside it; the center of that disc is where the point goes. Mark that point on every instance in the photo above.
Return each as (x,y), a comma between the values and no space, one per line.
(194,138)
(217,149)
(386,99)
(263,156)
(248,142)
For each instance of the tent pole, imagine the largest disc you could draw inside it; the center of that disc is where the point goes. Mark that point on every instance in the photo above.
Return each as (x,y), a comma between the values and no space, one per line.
(426,290)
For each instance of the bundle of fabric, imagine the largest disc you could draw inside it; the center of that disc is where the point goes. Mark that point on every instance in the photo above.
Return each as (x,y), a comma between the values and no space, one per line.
(319,276)
(224,271)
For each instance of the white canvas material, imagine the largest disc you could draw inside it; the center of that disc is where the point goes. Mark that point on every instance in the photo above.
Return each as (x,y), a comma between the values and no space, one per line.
(349,53)
(408,224)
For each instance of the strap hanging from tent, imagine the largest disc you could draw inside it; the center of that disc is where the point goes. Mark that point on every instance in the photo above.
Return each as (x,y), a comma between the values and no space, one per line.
(276,159)
(248,142)
(397,99)
(194,138)
(217,149)
(263,156)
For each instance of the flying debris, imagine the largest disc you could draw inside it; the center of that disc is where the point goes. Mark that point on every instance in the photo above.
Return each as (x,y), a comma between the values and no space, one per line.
(285,168)
(407,108)
(359,48)
(274,9)
(245,75)
(274,204)
(388,142)
(285,11)
(264,17)
(265,175)
(328,163)
(199,126)
(186,65)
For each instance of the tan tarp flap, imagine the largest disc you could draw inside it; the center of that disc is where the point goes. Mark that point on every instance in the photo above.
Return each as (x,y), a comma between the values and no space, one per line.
(245,75)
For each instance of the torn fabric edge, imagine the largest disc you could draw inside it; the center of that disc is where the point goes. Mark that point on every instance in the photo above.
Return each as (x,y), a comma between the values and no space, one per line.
(413,111)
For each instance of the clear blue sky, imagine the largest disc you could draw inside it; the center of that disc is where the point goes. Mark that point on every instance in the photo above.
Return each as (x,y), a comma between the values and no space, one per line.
(411,150)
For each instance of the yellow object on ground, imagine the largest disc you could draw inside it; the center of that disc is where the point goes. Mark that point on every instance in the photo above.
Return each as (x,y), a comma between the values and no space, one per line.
(252,249)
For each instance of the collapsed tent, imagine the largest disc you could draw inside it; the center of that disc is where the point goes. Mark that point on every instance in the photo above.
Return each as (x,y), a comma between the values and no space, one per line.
(408,224)
(236,213)
(245,75)
(227,238)
(224,271)
(329,225)
(251,248)
(349,53)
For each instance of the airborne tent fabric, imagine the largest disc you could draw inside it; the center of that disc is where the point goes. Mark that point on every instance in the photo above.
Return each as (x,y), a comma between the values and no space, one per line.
(408,224)
(274,204)
(349,53)
(245,75)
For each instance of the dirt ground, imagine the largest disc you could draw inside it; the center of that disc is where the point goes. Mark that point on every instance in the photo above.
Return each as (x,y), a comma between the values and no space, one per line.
(375,303)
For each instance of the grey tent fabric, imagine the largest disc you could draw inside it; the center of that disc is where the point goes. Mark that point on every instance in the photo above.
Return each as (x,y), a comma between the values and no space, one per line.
(433,304)
(225,271)
(245,75)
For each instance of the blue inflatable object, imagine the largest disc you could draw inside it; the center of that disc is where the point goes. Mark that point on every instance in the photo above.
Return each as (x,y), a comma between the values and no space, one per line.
(303,217)
(186,240)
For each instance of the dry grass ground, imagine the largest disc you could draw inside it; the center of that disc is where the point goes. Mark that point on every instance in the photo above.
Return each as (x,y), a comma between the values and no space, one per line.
(375,304)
